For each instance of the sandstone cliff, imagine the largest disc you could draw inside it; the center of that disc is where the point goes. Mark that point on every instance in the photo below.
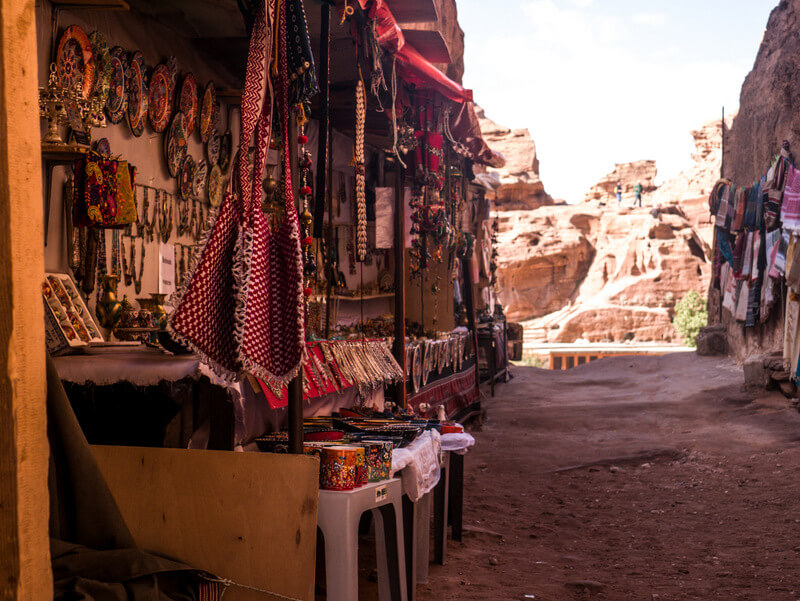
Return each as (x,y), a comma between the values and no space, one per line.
(592,274)
(521,187)
(599,272)
(628,174)
(769,112)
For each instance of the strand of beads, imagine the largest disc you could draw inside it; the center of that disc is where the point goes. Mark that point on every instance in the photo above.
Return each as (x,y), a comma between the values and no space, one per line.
(309,264)
(361,202)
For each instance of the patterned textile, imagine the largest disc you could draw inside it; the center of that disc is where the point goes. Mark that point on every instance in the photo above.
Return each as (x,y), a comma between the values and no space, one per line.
(273,339)
(103,195)
(738,254)
(299,56)
(243,306)
(790,209)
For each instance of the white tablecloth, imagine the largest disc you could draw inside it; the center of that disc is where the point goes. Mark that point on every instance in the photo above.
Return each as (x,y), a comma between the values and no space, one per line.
(458,443)
(418,464)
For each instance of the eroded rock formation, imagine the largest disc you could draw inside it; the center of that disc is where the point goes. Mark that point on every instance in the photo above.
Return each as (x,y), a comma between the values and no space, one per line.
(521,187)
(598,272)
(628,174)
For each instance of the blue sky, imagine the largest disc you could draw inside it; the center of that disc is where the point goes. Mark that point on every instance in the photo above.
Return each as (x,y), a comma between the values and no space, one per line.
(599,82)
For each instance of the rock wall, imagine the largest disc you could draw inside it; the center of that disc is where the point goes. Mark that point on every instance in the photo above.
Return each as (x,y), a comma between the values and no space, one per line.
(628,174)
(521,187)
(600,273)
(587,273)
(769,112)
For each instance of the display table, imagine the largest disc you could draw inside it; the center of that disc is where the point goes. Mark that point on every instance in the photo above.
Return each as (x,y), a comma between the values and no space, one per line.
(144,397)
(338,516)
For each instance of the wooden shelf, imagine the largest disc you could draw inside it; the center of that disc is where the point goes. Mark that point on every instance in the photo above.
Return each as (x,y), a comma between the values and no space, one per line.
(92,4)
(366,297)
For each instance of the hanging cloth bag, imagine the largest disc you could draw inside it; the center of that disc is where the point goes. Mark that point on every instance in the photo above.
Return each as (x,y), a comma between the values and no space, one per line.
(270,328)
(206,313)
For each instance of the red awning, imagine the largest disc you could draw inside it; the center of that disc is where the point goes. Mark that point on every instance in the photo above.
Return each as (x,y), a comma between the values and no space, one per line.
(412,67)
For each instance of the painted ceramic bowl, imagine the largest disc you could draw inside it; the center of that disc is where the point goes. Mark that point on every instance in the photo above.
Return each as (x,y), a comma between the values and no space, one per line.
(176,144)
(75,66)
(117,99)
(137,94)
(159,99)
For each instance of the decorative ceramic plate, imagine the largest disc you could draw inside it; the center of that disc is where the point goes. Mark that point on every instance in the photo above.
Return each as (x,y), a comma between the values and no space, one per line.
(208,112)
(137,94)
(427,361)
(159,98)
(215,186)
(117,100)
(74,62)
(188,103)
(176,144)
(225,147)
(102,63)
(417,367)
(212,149)
(200,178)
(102,146)
(186,179)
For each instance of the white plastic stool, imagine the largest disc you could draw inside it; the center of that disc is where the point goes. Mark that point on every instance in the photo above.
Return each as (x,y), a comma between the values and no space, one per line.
(338,516)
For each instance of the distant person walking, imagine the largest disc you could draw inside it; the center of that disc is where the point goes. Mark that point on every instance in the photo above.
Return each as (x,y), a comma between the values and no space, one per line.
(618,190)
(637,194)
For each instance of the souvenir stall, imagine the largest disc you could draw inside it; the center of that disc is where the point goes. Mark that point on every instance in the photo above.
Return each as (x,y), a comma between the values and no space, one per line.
(240,262)
(756,272)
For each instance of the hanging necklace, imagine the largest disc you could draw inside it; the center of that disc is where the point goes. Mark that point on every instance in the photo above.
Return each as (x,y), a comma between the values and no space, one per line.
(116,263)
(147,223)
(361,203)
(102,266)
(128,268)
(137,277)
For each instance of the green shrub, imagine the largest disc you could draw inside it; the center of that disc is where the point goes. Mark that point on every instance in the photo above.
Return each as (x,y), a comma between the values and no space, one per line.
(691,314)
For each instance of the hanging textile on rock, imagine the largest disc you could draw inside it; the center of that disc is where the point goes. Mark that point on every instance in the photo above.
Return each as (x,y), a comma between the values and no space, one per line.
(790,209)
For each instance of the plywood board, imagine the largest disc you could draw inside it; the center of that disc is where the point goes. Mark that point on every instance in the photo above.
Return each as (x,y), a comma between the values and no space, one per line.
(247,517)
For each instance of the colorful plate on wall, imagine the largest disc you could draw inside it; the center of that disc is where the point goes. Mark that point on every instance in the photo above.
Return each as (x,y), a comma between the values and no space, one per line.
(159,98)
(212,148)
(137,94)
(186,179)
(117,100)
(188,102)
(102,146)
(208,112)
(200,178)
(176,145)
(74,61)
(225,148)
(102,62)
(215,186)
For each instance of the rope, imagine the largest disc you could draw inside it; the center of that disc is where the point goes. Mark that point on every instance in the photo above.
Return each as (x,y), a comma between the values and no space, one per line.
(226,584)
(395,151)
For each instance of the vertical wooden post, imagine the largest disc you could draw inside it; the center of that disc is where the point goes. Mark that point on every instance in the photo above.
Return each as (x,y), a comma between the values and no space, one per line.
(324,133)
(24,503)
(400,396)
(295,392)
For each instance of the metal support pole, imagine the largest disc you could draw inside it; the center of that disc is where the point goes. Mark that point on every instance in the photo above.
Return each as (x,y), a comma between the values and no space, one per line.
(400,397)
(324,133)
(296,385)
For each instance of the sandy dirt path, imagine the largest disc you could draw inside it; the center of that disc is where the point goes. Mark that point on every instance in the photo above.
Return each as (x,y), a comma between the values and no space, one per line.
(641,478)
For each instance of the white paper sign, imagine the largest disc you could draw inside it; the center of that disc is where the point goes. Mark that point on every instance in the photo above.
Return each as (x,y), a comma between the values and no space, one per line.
(166,268)
(384,218)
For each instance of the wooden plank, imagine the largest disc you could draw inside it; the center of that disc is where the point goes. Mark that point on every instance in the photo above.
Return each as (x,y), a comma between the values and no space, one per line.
(248,517)
(24,502)
(98,4)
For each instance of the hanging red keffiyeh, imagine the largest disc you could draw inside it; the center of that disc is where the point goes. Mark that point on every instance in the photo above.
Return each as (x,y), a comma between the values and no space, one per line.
(242,308)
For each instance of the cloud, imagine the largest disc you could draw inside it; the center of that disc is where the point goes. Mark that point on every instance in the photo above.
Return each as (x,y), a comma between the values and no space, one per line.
(590,96)
(649,18)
